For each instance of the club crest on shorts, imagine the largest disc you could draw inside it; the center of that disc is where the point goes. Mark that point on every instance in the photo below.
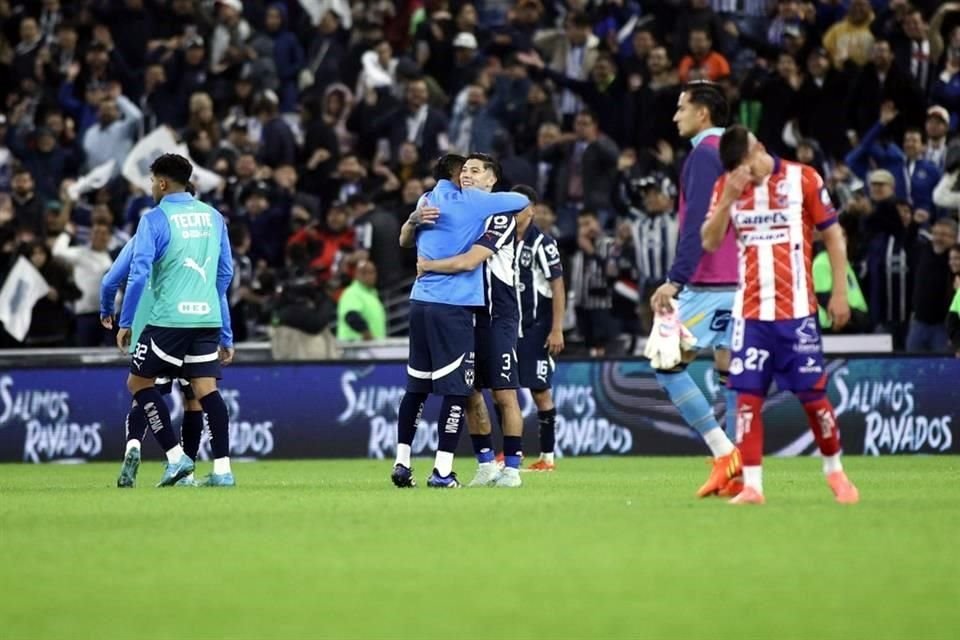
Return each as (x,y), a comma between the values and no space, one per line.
(469,376)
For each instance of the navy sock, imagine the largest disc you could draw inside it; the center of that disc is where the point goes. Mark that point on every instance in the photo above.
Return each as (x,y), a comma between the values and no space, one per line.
(483,447)
(548,434)
(512,451)
(157,417)
(452,413)
(408,416)
(190,432)
(136,425)
(218,419)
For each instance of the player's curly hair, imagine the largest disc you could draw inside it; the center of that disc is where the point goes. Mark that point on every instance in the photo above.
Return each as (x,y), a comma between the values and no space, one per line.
(172,166)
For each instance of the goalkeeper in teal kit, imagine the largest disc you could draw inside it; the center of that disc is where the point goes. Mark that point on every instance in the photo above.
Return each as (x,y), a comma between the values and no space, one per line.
(181,247)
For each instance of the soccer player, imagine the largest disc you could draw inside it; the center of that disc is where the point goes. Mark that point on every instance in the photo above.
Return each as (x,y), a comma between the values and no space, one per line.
(774,206)
(181,248)
(542,307)
(705,283)
(191,430)
(442,348)
(497,332)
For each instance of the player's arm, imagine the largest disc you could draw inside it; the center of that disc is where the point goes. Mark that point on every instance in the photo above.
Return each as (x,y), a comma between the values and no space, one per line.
(424,214)
(464,262)
(141,262)
(224,278)
(725,193)
(698,188)
(553,268)
(817,204)
(111,282)
(503,203)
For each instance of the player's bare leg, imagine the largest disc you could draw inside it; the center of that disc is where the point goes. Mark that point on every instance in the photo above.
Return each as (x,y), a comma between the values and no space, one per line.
(481,435)
(512,424)
(546,419)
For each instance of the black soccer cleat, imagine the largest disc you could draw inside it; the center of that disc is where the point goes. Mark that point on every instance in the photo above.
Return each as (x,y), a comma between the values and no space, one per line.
(403,477)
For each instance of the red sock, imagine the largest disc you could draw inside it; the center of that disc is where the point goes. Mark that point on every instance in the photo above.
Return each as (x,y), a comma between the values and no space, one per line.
(823,423)
(750,428)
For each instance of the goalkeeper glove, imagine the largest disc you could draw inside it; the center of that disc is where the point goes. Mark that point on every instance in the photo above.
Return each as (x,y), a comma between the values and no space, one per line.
(667,340)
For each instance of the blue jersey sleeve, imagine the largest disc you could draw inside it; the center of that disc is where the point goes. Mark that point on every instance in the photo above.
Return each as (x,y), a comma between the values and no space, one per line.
(224,278)
(704,170)
(487,204)
(149,245)
(499,231)
(112,280)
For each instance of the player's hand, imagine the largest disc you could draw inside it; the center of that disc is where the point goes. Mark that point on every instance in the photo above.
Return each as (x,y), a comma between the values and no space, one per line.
(839,310)
(424,215)
(662,299)
(123,339)
(422,267)
(736,182)
(106,322)
(226,355)
(555,342)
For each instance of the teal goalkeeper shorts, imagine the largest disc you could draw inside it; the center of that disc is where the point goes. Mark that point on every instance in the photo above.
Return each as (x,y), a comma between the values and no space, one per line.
(707,314)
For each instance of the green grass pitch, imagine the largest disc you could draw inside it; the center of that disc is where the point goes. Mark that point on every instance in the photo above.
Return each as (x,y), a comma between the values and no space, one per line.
(603,548)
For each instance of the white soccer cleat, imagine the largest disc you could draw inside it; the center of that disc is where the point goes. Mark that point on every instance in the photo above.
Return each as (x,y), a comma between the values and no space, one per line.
(487,474)
(509,479)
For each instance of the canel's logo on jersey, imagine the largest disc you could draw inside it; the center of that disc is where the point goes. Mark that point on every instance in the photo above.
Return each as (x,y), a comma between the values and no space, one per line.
(190,263)
(766,218)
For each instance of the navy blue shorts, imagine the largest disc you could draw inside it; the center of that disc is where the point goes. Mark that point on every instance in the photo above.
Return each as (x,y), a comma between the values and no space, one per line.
(441,349)
(497,352)
(786,351)
(536,365)
(165,386)
(177,353)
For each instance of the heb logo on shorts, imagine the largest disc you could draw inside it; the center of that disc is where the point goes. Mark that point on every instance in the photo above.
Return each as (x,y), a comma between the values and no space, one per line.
(194,308)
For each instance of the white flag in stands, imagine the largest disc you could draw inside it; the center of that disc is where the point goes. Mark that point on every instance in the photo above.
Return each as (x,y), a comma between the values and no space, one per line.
(22,289)
(136,168)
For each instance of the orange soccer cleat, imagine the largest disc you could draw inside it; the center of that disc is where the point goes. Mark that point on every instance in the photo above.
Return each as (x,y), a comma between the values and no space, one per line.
(843,489)
(749,495)
(732,488)
(542,465)
(725,468)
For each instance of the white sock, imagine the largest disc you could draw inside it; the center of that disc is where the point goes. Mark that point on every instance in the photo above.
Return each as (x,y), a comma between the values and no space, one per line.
(221,466)
(403,455)
(753,478)
(444,463)
(718,442)
(175,454)
(832,464)
(132,444)
(547,457)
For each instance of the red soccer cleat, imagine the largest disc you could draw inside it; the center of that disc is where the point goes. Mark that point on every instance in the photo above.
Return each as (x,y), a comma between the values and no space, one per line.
(843,489)
(725,468)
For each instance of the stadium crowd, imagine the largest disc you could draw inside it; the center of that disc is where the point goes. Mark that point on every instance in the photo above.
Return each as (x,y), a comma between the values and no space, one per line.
(319,120)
